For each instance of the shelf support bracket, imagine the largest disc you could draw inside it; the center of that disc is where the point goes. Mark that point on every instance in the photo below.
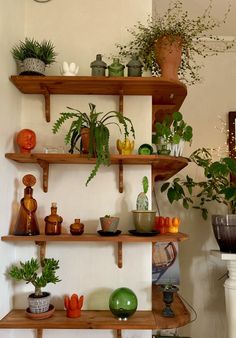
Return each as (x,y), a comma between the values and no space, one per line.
(118,335)
(42,250)
(121,102)
(121,177)
(39,333)
(120,261)
(45,166)
(46,95)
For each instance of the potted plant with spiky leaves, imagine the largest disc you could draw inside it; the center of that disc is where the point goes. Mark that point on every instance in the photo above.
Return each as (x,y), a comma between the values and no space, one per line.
(94,126)
(32,56)
(39,276)
(142,216)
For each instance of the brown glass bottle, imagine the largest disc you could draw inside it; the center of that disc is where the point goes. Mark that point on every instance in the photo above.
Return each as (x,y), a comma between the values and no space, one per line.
(26,223)
(53,222)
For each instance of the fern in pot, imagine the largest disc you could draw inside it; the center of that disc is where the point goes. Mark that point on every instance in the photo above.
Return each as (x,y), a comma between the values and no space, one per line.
(93,127)
(39,276)
(215,187)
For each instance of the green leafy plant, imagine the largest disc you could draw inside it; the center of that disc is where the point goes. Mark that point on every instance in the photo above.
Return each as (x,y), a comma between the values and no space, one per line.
(176,22)
(142,202)
(98,123)
(38,276)
(216,185)
(31,48)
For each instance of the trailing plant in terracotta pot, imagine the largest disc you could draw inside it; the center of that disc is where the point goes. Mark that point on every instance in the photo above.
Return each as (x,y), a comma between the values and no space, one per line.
(39,276)
(215,187)
(171,134)
(33,56)
(182,37)
(99,135)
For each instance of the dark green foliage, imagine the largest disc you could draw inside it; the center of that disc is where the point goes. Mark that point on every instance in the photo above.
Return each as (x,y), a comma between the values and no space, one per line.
(216,186)
(145,184)
(28,272)
(98,123)
(31,48)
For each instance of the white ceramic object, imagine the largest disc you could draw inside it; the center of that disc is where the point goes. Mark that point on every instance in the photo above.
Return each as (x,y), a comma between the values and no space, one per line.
(177,149)
(69,69)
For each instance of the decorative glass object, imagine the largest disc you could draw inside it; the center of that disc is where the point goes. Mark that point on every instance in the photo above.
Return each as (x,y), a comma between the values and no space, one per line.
(116,68)
(134,66)
(53,222)
(26,223)
(168,297)
(77,228)
(123,303)
(98,66)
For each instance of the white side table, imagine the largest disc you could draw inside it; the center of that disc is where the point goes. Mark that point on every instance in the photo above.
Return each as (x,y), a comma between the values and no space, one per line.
(230,290)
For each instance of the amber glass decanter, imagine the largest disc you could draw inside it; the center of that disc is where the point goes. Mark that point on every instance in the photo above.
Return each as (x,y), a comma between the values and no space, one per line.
(26,223)
(53,222)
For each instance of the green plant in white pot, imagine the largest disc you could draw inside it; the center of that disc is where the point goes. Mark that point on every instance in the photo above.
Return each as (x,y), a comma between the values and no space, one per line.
(33,56)
(39,276)
(142,216)
(181,36)
(171,135)
(215,187)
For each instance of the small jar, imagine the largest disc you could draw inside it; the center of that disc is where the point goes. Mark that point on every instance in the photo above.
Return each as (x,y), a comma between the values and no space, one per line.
(116,68)
(53,222)
(77,228)
(134,66)
(98,66)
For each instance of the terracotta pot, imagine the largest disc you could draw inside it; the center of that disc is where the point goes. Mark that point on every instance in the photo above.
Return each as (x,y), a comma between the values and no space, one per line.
(85,134)
(26,140)
(109,223)
(168,56)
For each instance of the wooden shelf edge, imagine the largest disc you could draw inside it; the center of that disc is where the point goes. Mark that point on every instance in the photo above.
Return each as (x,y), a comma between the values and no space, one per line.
(123,238)
(182,315)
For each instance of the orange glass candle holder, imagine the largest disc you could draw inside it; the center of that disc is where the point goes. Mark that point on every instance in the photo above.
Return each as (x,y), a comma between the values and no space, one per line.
(73,305)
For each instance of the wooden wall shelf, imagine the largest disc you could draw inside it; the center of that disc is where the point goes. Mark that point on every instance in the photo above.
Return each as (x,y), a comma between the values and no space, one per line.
(41,241)
(103,320)
(167,96)
(163,167)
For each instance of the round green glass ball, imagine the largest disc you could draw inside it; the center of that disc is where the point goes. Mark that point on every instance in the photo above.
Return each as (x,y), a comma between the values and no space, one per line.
(123,303)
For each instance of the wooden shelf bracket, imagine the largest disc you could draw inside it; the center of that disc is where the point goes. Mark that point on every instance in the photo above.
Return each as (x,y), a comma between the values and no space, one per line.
(45,166)
(119,256)
(121,177)
(39,333)
(46,95)
(42,250)
(118,334)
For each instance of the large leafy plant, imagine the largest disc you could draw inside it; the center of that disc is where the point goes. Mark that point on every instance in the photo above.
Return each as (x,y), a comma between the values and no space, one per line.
(216,185)
(38,276)
(176,22)
(98,123)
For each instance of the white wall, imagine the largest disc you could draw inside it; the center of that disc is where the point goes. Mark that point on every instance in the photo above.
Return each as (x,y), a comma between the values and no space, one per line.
(10,109)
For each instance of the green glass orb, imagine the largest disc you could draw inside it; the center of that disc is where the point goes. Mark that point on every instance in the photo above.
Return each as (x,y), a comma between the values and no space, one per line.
(123,303)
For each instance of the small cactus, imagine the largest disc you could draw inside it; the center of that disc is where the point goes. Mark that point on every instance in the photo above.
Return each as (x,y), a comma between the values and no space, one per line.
(142,199)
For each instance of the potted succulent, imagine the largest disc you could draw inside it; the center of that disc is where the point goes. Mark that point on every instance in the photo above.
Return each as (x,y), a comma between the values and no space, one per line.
(39,276)
(142,216)
(95,125)
(215,187)
(182,38)
(33,56)
(171,134)
(109,223)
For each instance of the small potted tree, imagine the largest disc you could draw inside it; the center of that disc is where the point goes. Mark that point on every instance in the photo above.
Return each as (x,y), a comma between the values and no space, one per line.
(39,276)
(32,56)
(93,127)
(216,186)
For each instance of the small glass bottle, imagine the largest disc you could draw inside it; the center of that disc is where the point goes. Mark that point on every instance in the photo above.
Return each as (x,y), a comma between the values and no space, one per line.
(26,223)
(77,228)
(116,68)
(98,66)
(134,66)
(53,222)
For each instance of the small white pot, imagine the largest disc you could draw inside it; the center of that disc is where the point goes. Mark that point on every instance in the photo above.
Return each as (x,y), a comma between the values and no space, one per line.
(177,149)
(32,65)
(39,304)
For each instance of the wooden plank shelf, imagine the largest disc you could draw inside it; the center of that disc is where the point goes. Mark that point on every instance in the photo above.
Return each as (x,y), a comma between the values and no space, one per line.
(170,94)
(104,320)
(163,167)
(41,240)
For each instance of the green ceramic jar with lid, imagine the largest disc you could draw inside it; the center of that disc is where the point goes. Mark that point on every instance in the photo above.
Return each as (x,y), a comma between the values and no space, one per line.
(116,68)
(134,66)
(98,66)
